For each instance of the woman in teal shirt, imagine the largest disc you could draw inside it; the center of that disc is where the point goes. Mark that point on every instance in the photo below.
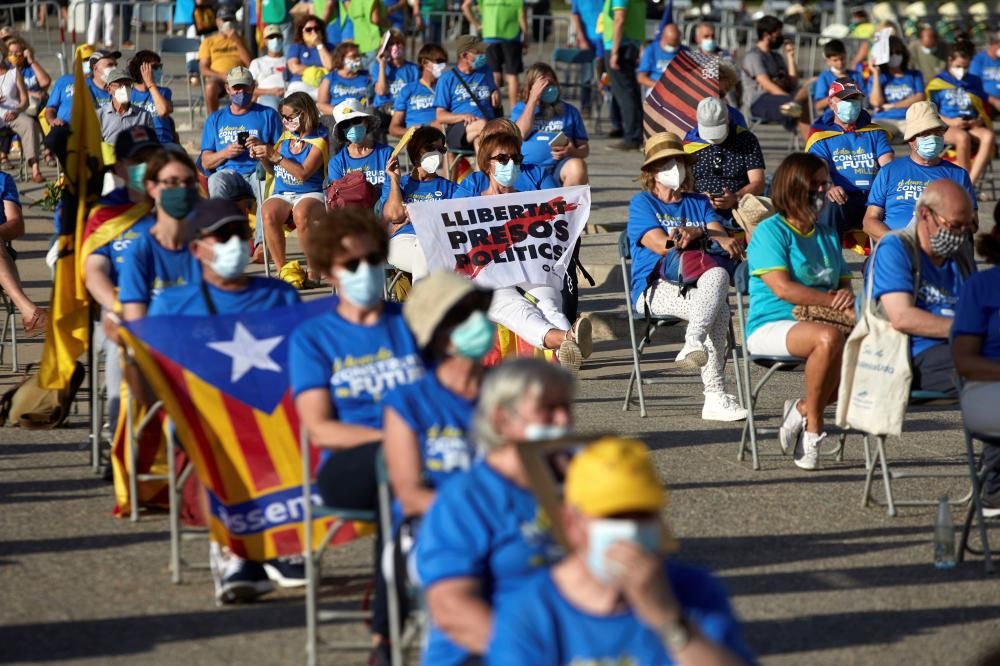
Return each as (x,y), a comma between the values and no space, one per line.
(793,261)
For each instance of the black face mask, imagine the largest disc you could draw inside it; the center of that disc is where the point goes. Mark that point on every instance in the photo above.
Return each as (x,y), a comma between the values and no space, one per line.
(776,42)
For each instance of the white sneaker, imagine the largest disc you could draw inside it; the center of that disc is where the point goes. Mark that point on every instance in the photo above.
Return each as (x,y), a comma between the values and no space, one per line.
(570,357)
(583,333)
(791,427)
(722,407)
(692,355)
(807,450)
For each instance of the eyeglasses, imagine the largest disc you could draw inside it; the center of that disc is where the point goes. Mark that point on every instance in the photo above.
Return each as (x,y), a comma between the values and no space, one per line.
(191,182)
(503,158)
(294,116)
(958,226)
(440,61)
(372,259)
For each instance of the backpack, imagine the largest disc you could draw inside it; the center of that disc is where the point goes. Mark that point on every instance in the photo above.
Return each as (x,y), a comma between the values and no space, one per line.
(351,191)
(204,19)
(35,408)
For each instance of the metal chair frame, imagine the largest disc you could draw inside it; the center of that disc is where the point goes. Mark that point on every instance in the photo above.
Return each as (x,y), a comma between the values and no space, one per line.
(8,332)
(977,475)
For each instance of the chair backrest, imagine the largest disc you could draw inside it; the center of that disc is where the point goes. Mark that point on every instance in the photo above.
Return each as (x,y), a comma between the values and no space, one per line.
(574,67)
(179,44)
(741,279)
(624,249)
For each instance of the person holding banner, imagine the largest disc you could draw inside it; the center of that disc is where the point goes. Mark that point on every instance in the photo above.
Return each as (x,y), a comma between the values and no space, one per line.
(530,177)
(485,533)
(344,362)
(355,130)
(426,151)
(663,221)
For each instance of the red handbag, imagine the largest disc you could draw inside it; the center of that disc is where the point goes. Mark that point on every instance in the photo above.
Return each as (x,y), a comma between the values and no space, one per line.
(351,191)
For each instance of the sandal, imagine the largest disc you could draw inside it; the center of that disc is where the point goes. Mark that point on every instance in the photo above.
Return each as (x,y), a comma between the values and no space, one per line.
(36,325)
(7,165)
(38,178)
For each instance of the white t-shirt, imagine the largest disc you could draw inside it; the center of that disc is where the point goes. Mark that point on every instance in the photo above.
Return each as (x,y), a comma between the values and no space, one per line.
(269,71)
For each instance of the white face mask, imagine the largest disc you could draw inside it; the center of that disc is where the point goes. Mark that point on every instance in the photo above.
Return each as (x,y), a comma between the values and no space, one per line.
(230,258)
(431,162)
(957,72)
(896,61)
(438,68)
(672,175)
(123,94)
(537,432)
(99,76)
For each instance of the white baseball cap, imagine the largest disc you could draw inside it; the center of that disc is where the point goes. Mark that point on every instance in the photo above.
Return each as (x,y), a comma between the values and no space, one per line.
(713,119)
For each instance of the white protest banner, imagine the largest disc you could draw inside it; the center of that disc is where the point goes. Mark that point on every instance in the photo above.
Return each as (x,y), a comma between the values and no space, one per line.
(503,240)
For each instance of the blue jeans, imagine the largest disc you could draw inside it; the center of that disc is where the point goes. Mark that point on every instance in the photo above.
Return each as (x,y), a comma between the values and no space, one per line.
(235,186)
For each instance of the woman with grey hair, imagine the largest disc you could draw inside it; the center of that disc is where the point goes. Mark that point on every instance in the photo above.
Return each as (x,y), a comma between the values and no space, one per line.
(485,534)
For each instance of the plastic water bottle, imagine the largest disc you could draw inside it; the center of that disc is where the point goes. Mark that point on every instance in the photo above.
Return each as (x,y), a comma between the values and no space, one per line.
(944,536)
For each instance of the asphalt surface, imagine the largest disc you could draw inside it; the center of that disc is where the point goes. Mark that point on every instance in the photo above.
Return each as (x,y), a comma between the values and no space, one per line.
(816,578)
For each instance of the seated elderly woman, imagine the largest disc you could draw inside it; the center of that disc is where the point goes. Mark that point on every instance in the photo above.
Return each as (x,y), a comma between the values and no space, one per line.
(663,221)
(485,533)
(975,347)
(793,261)
(539,321)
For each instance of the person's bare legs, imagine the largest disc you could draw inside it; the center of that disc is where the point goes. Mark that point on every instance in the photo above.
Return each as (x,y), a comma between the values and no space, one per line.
(986,138)
(554,338)
(213,91)
(10,282)
(822,347)
(962,141)
(513,89)
(307,209)
(574,172)
(276,211)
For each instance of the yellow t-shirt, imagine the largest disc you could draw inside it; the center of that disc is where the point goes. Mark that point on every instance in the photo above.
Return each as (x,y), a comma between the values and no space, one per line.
(221,52)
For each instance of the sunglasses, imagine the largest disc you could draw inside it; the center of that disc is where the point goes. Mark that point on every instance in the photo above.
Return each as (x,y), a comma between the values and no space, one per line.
(239,229)
(372,259)
(503,158)
(311,28)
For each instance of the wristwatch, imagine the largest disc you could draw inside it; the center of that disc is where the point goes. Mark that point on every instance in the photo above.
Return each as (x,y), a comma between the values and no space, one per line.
(676,635)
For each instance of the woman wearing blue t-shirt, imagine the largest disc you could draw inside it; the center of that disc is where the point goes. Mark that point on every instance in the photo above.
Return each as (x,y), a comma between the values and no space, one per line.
(347,79)
(664,220)
(426,152)
(355,131)
(344,362)
(794,261)
(975,347)
(485,534)
(308,49)
(298,162)
(894,89)
(542,117)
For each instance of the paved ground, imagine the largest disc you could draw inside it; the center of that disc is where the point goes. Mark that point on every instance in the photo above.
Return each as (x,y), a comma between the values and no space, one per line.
(817,578)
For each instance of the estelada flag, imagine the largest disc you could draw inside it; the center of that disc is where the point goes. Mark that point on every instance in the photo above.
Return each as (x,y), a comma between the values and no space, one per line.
(224,383)
(672,105)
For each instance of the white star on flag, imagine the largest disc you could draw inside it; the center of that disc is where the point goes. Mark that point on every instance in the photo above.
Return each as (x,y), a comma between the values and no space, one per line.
(248,352)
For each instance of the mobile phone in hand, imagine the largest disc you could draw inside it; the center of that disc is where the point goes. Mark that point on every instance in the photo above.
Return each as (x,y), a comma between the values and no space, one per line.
(241,138)
(559,140)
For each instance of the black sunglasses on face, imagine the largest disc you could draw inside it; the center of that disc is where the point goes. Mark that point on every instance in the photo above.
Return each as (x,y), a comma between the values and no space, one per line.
(372,259)
(227,231)
(503,158)
(311,28)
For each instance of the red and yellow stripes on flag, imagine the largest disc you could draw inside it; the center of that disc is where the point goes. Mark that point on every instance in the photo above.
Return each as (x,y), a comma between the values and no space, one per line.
(240,454)
(69,307)
(152,459)
(105,223)
(509,345)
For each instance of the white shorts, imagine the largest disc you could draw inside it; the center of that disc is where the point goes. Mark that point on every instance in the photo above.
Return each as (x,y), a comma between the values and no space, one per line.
(771,339)
(293,199)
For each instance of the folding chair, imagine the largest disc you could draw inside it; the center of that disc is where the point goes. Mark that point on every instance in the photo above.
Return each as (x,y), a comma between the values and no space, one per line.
(314,557)
(653,324)
(977,475)
(917,398)
(8,333)
(575,71)
(183,45)
(96,403)
(451,159)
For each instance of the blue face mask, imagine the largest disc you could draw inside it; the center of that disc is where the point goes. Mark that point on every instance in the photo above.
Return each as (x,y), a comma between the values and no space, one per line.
(365,286)
(275,44)
(473,338)
(506,174)
(602,534)
(550,95)
(708,45)
(848,110)
(157,76)
(177,202)
(931,146)
(136,177)
(241,99)
(479,62)
(356,133)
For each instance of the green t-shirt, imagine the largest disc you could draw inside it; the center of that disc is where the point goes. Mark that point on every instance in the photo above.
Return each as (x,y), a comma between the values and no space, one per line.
(501,19)
(634,30)
(366,35)
(428,6)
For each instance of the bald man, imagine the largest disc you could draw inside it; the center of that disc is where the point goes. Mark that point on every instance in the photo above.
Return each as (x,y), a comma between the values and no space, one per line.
(939,237)
(658,54)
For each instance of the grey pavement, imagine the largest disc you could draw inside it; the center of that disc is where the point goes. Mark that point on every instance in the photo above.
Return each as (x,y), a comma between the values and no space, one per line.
(816,578)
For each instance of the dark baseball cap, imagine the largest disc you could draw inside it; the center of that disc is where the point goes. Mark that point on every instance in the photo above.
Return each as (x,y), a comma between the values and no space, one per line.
(101,55)
(132,140)
(226,14)
(212,214)
(843,88)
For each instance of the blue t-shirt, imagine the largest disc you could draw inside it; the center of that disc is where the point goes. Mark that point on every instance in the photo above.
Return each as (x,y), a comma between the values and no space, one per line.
(414,190)
(532,178)
(896,88)
(261,293)
(284,182)
(645,213)
(978,311)
(481,526)
(359,364)
(416,101)
(223,128)
(957,102)
(373,165)
(988,71)
(899,184)
(654,59)
(536,148)
(116,249)
(827,77)
(99,95)
(940,286)
(451,95)
(30,79)
(164,126)
(814,260)
(150,268)
(8,192)
(442,423)
(307,55)
(61,98)
(853,157)
(396,77)
(540,626)
(589,11)
(357,87)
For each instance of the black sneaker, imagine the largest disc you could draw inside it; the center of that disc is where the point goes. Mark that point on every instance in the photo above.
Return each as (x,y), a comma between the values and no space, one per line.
(380,655)
(287,571)
(623,146)
(991,505)
(615,134)
(237,580)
